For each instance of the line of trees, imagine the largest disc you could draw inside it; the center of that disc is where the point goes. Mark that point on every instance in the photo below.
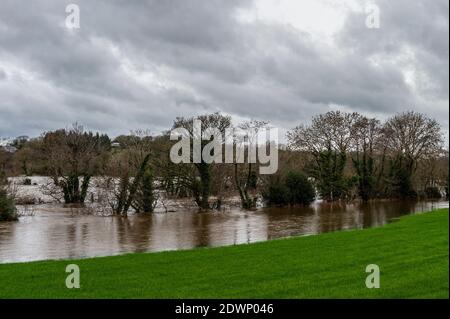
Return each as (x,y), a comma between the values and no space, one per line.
(342,156)
(384,158)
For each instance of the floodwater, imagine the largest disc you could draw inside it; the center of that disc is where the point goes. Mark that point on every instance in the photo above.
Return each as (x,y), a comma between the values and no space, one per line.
(58,232)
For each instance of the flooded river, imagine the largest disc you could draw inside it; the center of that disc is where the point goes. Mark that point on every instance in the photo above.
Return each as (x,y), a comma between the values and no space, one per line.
(57,232)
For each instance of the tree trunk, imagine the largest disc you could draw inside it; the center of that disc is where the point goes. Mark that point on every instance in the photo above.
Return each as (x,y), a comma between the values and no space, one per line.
(205,187)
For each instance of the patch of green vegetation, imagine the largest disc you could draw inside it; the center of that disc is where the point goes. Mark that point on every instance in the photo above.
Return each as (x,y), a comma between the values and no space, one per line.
(7,207)
(412,254)
(291,188)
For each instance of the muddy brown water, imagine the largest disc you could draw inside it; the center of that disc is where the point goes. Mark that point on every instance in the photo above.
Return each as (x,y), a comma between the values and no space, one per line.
(58,232)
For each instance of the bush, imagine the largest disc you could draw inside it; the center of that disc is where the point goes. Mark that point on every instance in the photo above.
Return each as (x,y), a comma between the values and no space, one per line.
(7,208)
(276,194)
(294,188)
(433,193)
(300,189)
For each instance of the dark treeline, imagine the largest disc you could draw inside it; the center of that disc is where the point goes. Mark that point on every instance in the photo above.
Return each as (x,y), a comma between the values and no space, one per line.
(339,156)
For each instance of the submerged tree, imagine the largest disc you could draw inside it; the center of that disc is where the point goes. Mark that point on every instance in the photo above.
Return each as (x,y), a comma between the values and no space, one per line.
(71,157)
(200,183)
(7,207)
(128,188)
(409,137)
(300,189)
(365,139)
(145,199)
(292,188)
(245,176)
(328,140)
(132,179)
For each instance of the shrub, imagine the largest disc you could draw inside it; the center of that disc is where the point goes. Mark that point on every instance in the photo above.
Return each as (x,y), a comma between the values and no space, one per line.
(7,208)
(145,201)
(276,194)
(433,193)
(293,188)
(300,189)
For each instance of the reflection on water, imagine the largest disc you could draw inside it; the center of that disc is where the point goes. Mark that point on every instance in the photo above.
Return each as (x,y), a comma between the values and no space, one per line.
(56,232)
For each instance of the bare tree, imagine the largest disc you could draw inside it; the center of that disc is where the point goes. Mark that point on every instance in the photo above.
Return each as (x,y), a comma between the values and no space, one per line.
(365,139)
(328,138)
(201,185)
(410,137)
(413,135)
(329,131)
(244,174)
(70,156)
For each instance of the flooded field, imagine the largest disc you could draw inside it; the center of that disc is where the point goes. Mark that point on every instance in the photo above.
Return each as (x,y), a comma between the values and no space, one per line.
(53,231)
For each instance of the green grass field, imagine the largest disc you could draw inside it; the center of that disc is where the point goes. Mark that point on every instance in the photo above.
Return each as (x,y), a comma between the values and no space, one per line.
(412,254)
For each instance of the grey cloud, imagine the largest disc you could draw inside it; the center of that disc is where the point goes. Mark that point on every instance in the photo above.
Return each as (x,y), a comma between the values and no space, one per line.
(420,27)
(141,64)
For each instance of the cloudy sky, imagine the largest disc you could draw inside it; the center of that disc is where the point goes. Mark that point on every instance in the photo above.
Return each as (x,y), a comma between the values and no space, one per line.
(139,64)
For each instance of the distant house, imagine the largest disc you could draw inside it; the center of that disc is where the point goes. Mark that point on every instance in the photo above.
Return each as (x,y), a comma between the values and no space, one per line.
(115,144)
(10,149)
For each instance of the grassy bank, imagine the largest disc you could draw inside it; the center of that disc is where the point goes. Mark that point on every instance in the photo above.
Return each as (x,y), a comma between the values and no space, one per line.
(412,254)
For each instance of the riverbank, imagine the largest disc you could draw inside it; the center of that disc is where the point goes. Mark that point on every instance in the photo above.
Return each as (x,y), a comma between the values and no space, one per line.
(412,254)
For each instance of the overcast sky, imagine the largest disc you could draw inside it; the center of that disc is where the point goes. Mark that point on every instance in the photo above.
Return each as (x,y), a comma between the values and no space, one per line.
(140,64)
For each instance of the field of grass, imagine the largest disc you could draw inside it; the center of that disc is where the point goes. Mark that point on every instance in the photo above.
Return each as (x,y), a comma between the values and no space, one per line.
(412,254)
